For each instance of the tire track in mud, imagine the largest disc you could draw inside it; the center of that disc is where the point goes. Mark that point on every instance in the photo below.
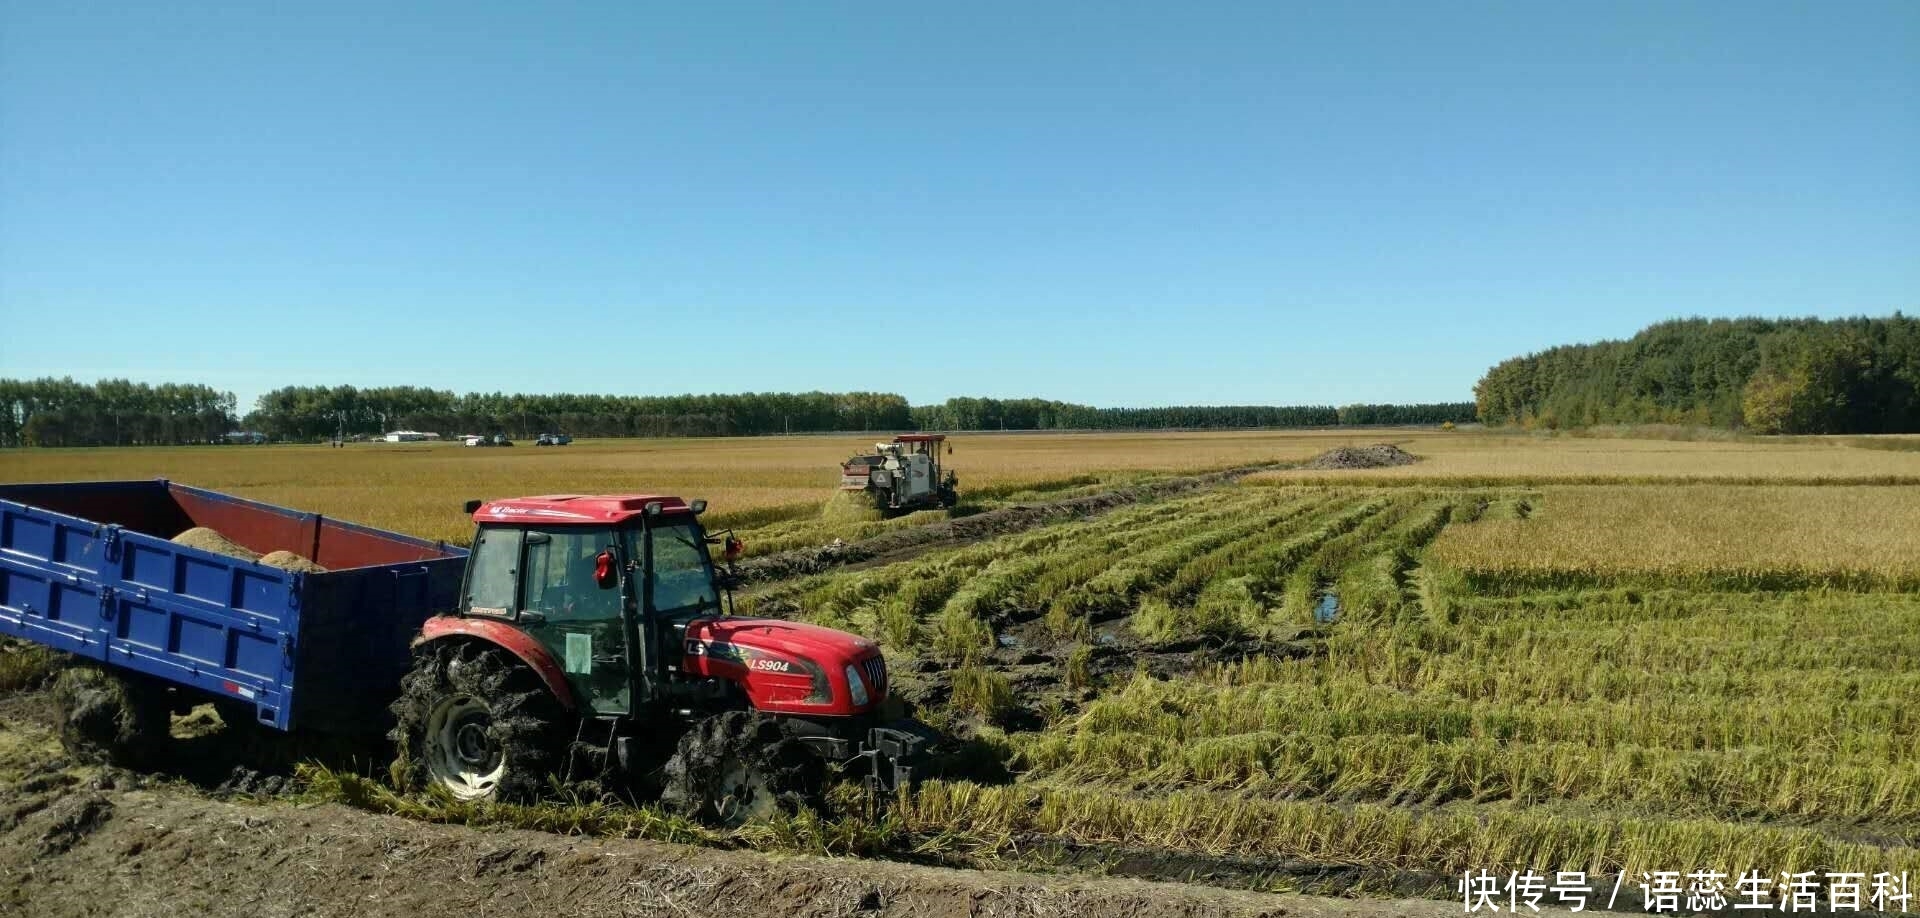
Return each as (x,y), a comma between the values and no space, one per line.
(172,853)
(906,544)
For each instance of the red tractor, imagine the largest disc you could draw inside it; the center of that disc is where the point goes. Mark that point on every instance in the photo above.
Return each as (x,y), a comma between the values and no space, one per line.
(590,642)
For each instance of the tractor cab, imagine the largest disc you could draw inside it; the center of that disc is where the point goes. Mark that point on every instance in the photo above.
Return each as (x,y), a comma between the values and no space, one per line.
(603,586)
(624,608)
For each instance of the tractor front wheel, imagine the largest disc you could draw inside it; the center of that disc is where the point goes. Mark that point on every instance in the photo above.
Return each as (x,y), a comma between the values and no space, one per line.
(477,723)
(739,766)
(109,717)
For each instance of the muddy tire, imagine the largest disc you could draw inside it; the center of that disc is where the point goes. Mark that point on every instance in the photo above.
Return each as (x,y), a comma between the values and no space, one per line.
(735,767)
(111,718)
(477,723)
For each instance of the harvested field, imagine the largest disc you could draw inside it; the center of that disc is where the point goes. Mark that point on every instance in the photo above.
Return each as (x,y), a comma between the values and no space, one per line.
(1348,681)
(907,536)
(1169,686)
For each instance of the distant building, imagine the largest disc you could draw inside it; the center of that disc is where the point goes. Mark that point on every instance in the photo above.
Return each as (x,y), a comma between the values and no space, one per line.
(410,436)
(245,436)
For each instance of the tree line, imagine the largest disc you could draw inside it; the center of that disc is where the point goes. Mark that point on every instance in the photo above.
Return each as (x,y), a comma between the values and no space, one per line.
(111,412)
(310,412)
(1854,375)
(1043,414)
(62,412)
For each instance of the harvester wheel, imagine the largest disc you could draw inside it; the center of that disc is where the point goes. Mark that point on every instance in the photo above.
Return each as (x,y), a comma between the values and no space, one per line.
(739,766)
(109,717)
(477,723)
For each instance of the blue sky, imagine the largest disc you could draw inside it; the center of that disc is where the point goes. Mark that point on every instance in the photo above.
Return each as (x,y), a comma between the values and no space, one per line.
(1110,203)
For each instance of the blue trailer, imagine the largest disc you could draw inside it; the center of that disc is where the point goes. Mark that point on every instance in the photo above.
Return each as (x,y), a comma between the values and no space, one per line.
(87,568)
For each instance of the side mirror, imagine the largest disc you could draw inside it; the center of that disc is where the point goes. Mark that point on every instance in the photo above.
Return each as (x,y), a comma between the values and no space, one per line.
(733,548)
(606,570)
(473,506)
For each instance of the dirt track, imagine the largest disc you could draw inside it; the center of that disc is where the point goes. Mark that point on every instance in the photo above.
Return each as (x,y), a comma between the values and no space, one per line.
(75,843)
(130,854)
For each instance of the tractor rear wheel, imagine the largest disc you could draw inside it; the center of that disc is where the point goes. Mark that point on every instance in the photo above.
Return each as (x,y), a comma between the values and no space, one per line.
(477,723)
(108,717)
(732,768)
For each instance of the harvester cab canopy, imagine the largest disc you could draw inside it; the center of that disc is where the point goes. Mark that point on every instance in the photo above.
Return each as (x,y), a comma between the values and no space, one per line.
(924,444)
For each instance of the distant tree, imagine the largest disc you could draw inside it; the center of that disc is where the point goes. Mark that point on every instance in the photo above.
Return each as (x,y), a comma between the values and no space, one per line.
(1856,375)
(1768,403)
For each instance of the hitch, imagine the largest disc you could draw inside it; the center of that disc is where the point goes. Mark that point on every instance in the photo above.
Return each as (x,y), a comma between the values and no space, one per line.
(892,753)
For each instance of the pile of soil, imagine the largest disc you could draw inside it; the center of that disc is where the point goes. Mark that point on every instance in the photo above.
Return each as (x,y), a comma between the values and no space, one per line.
(211,540)
(1378,456)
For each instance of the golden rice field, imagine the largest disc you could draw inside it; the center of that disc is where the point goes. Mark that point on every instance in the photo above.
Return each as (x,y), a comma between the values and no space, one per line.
(418,488)
(1783,535)
(1495,459)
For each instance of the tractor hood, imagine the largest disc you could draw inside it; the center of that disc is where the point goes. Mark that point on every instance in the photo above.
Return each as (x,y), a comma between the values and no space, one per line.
(788,667)
(823,646)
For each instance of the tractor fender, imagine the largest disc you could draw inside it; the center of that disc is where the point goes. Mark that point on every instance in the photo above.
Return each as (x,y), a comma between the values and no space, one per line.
(508,638)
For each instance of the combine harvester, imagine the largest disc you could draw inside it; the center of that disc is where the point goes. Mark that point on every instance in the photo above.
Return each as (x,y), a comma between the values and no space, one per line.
(583,637)
(903,476)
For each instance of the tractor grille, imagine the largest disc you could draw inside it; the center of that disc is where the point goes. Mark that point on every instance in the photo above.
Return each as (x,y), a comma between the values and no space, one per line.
(875,669)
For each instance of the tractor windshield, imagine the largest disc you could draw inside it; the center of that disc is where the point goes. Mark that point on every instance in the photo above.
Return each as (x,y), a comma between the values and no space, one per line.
(682,572)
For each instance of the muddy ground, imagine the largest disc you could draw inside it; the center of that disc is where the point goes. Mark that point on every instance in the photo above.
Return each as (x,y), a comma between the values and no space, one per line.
(141,853)
(81,842)
(72,846)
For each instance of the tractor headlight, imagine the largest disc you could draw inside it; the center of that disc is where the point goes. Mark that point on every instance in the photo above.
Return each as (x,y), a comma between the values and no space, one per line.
(856,688)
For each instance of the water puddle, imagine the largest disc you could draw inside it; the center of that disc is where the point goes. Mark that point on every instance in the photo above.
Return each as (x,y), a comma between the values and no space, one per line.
(1328,609)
